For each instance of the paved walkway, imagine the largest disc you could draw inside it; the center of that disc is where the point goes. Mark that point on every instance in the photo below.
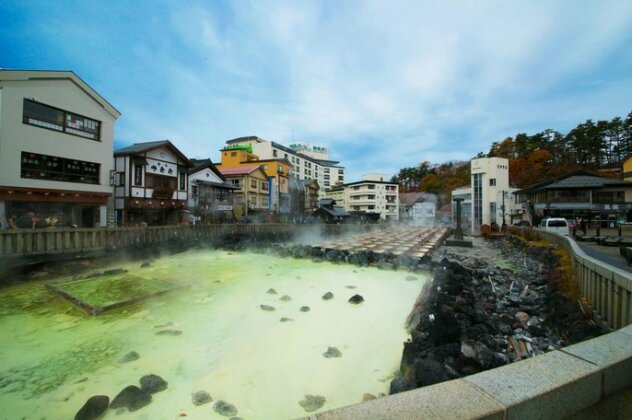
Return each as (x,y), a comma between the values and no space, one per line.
(607,254)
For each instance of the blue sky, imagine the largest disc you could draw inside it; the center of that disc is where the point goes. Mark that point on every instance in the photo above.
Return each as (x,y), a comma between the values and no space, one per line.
(383,84)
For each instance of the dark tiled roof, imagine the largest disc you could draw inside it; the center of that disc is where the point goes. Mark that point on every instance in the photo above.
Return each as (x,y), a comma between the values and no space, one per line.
(144,147)
(575,180)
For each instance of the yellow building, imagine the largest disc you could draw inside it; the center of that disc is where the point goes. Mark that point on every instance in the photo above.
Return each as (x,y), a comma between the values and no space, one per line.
(254,188)
(627,169)
(278,170)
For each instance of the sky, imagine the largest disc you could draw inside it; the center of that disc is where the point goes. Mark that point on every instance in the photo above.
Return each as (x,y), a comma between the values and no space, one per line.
(383,84)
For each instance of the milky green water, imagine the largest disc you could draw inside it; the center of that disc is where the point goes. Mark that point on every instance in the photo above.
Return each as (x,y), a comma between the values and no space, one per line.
(53,357)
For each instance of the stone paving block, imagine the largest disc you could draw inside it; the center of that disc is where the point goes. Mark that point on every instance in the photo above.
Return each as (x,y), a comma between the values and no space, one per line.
(448,400)
(550,386)
(613,354)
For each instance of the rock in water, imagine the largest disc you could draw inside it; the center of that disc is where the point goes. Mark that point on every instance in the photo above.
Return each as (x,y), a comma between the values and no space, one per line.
(272,291)
(152,383)
(267,308)
(285,298)
(169,332)
(356,299)
(284,319)
(201,397)
(312,402)
(328,296)
(411,278)
(93,408)
(224,408)
(304,309)
(129,357)
(332,352)
(368,397)
(131,397)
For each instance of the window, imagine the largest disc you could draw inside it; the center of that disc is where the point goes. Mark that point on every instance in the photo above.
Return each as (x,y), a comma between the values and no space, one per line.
(326,170)
(40,115)
(264,185)
(233,154)
(159,182)
(371,207)
(138,174)
(235,183)
(274,152)
(371,197)
(183,178)
(492,182)
(59,169)
(253,184)
(371,186)
(194,190)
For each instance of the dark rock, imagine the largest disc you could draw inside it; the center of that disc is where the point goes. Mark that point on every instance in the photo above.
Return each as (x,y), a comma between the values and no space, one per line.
(332,352)
(400,384)
(356,299)
(131,397)
(224,408)
(304,309)
(328,296)
(169,332)
(267,308)
(129,357)
(411,278)
(145,264)
(285,298)
(312,402)
(284,319)
(115,271)
(94,408)
(201,397)
(429,372)
(152,383)
(272,291)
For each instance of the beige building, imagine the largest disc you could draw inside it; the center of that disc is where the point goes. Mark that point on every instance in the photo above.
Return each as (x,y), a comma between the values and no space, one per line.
(373,194)
(308,162)
(56,141)
(253,193)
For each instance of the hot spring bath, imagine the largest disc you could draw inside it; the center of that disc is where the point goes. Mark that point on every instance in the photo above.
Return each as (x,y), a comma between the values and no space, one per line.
(53,357)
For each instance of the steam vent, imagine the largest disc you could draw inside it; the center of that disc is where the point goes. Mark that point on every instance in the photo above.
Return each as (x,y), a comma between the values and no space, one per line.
(416,242)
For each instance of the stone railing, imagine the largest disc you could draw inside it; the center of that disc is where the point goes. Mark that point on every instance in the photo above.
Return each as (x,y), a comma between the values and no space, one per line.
(608,288)
(585,380)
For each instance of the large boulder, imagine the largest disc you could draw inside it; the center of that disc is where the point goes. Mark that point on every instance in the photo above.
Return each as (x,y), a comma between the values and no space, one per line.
(225,409)
(152,383)
(131,397)
(93,408)
(356,299)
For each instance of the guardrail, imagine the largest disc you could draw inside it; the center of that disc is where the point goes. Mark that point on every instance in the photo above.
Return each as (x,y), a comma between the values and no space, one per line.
(608,288)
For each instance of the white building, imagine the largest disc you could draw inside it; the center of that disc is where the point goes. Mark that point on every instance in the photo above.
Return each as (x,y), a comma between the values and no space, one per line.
(56,141)
(308,162)
(373,194)
(489,199)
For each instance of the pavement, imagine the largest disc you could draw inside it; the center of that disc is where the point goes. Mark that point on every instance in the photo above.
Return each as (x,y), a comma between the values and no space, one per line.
(607,254)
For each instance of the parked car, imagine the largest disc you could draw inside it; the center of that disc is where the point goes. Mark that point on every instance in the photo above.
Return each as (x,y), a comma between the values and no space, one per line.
(557,225)
(522,223)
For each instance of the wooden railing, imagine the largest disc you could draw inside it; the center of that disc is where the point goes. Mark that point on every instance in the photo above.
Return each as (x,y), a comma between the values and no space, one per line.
(33,242)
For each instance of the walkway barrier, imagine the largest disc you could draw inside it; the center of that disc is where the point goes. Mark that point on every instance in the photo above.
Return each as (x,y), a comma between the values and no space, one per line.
(37,242)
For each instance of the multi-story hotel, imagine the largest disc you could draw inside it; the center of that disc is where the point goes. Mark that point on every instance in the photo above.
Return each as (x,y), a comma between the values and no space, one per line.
(56,137)
(308,162)
(373,194)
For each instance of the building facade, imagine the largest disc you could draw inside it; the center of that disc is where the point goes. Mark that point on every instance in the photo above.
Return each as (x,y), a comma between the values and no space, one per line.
(307,162)
(490,196)
(603,201)
(211,198)
(252,193)
(151,185)
(56,140)
(373,194)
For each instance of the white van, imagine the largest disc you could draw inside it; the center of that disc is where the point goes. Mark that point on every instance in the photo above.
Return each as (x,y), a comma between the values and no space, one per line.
(557,225)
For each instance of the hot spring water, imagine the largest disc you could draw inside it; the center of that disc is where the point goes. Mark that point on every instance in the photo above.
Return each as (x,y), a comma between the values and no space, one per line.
(53,357)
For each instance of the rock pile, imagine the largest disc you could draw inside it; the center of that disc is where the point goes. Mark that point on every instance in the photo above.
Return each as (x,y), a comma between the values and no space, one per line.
(475,316)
